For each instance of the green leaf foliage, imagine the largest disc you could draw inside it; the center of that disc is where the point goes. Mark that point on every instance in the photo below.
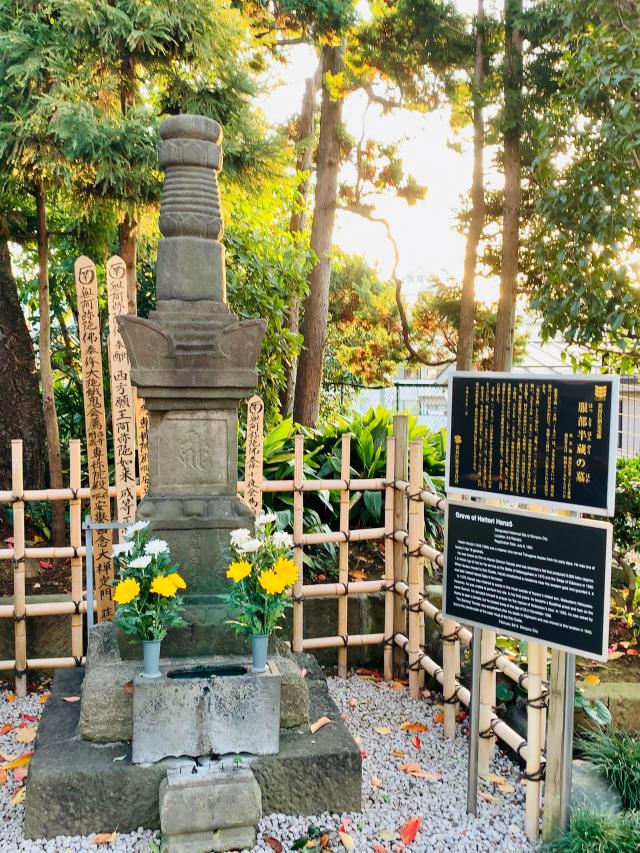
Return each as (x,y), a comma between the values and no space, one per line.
(591,832)
(617,754)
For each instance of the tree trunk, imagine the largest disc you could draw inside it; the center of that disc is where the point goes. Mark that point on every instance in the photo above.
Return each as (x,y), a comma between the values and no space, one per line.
(21,413)
(304,163)
(128,254)
(46,372)
(316,308)
(505,322)
(464,359)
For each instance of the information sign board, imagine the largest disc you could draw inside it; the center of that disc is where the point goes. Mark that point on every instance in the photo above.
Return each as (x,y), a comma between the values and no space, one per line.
(534,439)
(529,575)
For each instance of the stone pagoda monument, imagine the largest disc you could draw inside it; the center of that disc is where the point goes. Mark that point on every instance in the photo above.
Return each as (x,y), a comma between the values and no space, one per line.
(192,362)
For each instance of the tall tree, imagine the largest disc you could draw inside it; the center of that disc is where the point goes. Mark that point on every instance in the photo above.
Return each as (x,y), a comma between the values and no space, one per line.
(464,356)
(512,112)
(316,307)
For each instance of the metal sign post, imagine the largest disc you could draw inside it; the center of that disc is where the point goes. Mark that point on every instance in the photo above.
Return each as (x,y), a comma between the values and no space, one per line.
(474,723)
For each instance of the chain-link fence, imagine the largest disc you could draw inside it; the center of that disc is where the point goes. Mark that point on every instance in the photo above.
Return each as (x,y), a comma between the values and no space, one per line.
(427,400)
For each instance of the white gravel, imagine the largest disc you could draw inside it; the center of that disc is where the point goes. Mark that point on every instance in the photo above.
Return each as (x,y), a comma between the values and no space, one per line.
(393,798)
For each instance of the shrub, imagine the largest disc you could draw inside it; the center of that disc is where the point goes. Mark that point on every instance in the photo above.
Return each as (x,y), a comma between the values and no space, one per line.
(590,832)
(617,754)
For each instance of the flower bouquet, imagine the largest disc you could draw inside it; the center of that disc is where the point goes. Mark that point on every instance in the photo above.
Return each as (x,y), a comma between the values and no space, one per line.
(263,572)
(146,595)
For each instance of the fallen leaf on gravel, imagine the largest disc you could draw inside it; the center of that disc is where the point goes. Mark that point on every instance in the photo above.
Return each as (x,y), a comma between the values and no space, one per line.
(414,727)
(120,757)
(26,735)
(461,716)
(29,718)
(5,729)
(19,796)
(6,757)
(363,753)
(506,788)
(71,698)
(129,686)
(592,678)
(410,830)
(20,761)
(20,773)
(415,740)
(616,655)
(43,698)
(396,685)
(104,838)
(376,781)
(378,848)
(382,730)
(344,826)
(416,770)
(388,835)
(10,697)
(353,703)
(347,840)
(303,672)
(439,717)
(357,739)
(273,843)
(3,777)
(397,753)
(323,721)
(633,652)
(486,796)
(493,777)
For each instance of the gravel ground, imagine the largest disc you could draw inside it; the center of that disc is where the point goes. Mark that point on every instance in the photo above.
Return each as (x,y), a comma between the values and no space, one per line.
(391,796)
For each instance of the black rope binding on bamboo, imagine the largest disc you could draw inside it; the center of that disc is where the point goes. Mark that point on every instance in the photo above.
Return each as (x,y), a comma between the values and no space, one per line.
(297,599)
(19,672)
(74,492)
(454,699)
(347,535)
(345,639)
(454,636)
(521,679)
(16,499)
(490,665)
(76,604)
(22,618)
(77,660)
(538,702)
(345,586)
(535,775)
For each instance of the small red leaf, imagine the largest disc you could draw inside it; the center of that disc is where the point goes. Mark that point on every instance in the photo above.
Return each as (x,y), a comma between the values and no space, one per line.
(273,843)
(415,740)
(410,830)
(71,698)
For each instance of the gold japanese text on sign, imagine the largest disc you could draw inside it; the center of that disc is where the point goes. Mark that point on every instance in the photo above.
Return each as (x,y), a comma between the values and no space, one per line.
(96,430)
(142,432)
(122,411)
(253,466)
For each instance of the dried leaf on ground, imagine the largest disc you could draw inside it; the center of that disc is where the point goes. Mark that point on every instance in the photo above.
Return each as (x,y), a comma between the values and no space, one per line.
(397,685)
(416,770)
(378,848)
(10,697)
(415,740)
(323,721)
(5,728)
(358,575)
(397,753)
(616,655)
(382,730)
(20,773)
(353,703)
(20,761)
(347,840)
(29,718)
(273,843)
(26,734)
(388,835)
(439,717)
(486,796)
(71,698)
(43,698)
(493,777)
(410,830)
(129,686)
(414,727)
(376,781)
(3,777)
(19,796)
(104,838)
(633,652)
(592,678)
(506,788)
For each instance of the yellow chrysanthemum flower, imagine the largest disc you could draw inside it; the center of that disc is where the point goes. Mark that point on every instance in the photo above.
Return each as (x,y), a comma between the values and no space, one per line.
(163,585)
(177,580)
(126,591)
(286,569)
(271,583)
(239,570)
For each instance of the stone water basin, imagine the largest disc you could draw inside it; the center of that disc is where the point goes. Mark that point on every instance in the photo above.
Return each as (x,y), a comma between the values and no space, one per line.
(206,710)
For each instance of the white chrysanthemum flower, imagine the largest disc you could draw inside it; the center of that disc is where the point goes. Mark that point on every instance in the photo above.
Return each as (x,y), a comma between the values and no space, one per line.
(134,528)
(140,562)
(249,546)
(121,548)
(156,546)
(281,539)
(265,518)
(239,536)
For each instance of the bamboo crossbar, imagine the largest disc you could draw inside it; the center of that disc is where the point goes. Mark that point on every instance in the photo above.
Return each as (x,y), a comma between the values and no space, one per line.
(29,495)
(62,553)
(421,495)
(346,640)
(373,485)
(45,663)
(335,590)
(424,549)
(48,608)
(365,534)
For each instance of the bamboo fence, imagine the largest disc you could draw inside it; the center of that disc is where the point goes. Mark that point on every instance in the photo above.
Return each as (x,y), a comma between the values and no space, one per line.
(401,592)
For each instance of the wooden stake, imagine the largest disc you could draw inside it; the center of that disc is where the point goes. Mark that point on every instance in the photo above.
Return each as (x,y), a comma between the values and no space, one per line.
(122,409)
(415,564)
(343,558)
(487,698)
(298,525)
(96,431)
(534,729)
(389,596)
(75,537)
(401,471)
(142,438)
(553,772)
(19,601)
(253,454)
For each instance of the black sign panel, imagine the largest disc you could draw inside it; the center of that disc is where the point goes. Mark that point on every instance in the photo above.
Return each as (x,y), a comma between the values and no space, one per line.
(535,439)
(529,575)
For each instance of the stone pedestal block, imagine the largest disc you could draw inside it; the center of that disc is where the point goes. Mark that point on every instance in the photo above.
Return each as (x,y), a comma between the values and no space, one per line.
(204,711)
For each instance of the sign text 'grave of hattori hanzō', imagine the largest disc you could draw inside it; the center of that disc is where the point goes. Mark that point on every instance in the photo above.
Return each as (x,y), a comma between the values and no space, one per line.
(539,439)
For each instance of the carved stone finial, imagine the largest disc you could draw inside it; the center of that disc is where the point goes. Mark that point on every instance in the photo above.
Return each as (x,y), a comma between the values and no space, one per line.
(190,258)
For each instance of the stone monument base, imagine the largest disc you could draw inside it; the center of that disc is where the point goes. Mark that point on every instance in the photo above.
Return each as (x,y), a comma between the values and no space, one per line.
(77,787)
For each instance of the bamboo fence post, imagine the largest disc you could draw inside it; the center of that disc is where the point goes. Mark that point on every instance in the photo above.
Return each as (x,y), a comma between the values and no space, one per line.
(298,524)
(450,663)
(415,561)
(75,536)
(534,729)
(553,768)
(254,447)
(343,558)
(390,595)
(400,472)
(487,699)
(19,611)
